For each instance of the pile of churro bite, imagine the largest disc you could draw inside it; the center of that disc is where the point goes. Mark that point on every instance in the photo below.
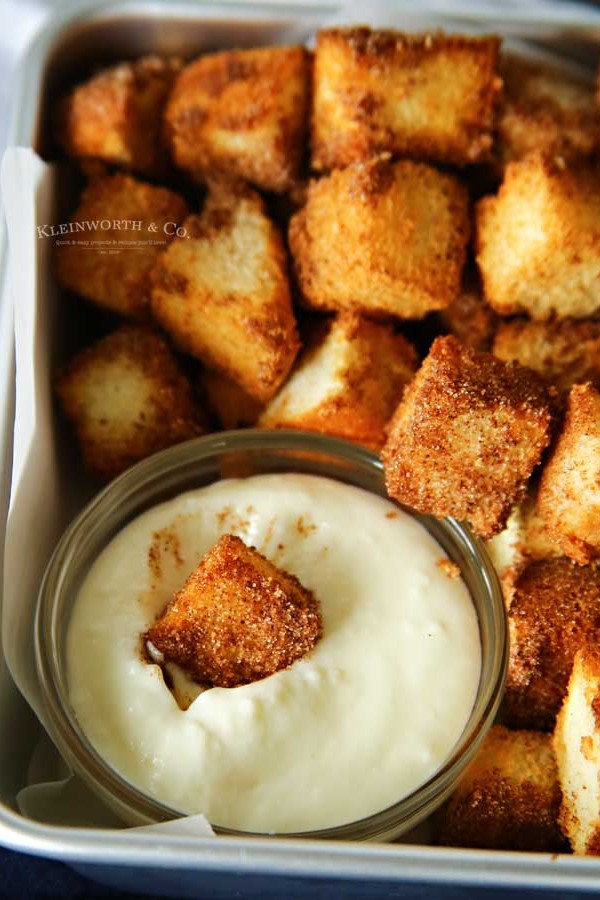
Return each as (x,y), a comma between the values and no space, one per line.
(394,239)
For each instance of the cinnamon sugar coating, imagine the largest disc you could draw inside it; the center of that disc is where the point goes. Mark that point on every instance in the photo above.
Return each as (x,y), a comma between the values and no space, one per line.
(237,619)
(554,610)
(568,497)
(118,278)
(508,799)
(222,294)
(127,397)
(347,383)
(425,96)
(466,436)
(242,114)
(382,238)
(116,117)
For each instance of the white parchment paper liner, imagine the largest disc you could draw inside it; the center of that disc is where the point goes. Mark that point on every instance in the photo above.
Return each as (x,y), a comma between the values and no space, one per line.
(44,495)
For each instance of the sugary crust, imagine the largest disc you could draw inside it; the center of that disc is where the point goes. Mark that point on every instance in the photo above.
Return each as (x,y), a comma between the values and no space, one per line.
(119,280)
(467,436)
(358,371)
(544,110)
(222,294)
(127,398)
(508,799)
(562,352)
(117,116)
(237,619)
(429,96)
(242,113)
(569,501)
(577,748)
(555,609)
(381,238)
(538,240)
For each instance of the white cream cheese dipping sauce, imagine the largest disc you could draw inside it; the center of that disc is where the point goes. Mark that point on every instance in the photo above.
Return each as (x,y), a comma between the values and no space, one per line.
(362,720)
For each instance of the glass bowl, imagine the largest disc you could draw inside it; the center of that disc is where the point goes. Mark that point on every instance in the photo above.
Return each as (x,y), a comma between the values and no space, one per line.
(239,454)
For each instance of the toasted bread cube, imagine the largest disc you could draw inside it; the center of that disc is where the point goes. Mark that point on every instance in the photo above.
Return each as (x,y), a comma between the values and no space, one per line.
(232,406)
(242,113)
(222,292)
(538,241)
(237,618)
(577,748)
(569,499)
(381,237)
(470,319)
(508,799)
(127,398)
(563,352)
(425,96)
(347,383)
(117,116)
(466,436)
(114,239)
(543,109)
(555,609)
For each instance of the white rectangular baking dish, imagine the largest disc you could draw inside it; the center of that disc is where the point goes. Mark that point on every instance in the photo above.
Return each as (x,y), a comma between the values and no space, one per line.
(177,864)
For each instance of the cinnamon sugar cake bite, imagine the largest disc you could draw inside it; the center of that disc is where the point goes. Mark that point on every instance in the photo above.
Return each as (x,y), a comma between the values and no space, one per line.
(383,238)
(230,649)
(347,382)
(467,436)
(237,618)
(221,292)
(508,799)
(242,114)
(427,96)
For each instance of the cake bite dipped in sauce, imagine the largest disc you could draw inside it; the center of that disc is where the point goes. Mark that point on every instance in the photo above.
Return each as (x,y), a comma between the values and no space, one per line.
(311,662)
(238,618)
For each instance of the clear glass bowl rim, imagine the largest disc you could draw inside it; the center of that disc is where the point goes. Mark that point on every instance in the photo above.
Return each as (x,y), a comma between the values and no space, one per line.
(135,806)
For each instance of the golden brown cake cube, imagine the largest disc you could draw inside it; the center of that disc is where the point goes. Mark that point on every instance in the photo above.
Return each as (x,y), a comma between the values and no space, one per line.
(466,436)
(508,799)
(555,610)
(577,748)
(538,241)
(127,398)
(544,109)
(428,97)
(569,499)
(563,352)
(347,383)
(242,113)
(117,116)
(116,235)
(237,619)
(222,294)
(382,238)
